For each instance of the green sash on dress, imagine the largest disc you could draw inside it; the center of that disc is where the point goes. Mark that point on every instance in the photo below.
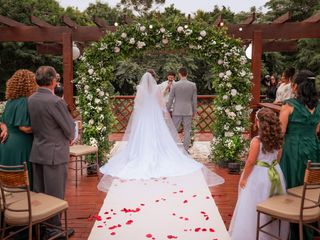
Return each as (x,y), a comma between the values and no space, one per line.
(274,177)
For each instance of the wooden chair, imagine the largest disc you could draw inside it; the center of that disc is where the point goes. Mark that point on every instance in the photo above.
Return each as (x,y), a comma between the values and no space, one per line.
(292,208)
(78,153)
(23,208)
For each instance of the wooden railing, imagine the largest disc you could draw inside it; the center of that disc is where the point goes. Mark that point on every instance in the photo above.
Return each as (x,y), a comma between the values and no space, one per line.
(123,106)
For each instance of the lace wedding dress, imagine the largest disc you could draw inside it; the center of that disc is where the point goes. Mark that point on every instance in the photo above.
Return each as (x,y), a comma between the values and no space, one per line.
(150,146)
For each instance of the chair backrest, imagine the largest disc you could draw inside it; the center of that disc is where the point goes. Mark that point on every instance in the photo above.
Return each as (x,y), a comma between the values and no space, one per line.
(311,183)
(14,179)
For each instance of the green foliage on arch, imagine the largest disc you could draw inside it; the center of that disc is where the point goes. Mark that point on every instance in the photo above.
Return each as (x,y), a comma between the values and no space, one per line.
(231,81)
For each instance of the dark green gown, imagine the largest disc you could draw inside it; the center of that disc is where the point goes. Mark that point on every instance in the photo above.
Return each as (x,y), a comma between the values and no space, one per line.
(300,145)
(16,149)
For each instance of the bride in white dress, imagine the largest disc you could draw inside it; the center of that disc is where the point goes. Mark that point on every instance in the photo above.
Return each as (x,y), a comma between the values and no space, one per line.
(150,147)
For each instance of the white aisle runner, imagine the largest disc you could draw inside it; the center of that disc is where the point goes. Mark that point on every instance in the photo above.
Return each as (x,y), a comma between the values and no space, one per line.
(168,208)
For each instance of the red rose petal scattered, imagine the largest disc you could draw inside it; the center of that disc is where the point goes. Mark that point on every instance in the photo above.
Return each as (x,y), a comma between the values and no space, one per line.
(157,200)
(194,195)
(181,217)
(186,219)
(106,212)
(149,235)
(108,218)
(207,197)
(142,204)
(172,237)
(114,213)
(113,233)
(197,229)
(185,201)
(129,222)
(207,218)
(100,226)
(173,214)
(174,192)
(186,230)
(211,230)
(181,191)
(204,229)
(95,217)
(202,212)
(125,210)
(113,227)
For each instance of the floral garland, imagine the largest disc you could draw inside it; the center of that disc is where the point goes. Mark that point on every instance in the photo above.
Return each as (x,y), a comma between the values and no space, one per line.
(231,77)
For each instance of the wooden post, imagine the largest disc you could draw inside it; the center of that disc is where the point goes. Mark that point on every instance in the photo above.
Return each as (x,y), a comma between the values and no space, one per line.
(256,71)
(67,68)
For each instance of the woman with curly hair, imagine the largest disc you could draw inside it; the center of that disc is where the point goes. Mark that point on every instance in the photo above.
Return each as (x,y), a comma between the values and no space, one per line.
(16,149)
(300,122)
(261,178)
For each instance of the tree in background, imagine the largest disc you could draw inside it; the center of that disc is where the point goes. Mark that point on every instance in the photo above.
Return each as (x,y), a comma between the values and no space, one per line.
(141,7)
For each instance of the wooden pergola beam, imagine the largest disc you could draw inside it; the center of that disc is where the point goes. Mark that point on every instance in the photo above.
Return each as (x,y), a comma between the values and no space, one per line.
(100,22)
(10,22)
(49,48)
(282,19)
(67,21)
(250,19)
(280,46)
(288,30)
(218,21)
(313,19)
(40,23)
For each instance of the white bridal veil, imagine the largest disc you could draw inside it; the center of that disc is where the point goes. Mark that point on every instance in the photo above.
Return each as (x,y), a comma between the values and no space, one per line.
(151,147)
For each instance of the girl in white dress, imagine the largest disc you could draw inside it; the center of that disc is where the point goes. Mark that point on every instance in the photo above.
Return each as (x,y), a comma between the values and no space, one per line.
(255,183)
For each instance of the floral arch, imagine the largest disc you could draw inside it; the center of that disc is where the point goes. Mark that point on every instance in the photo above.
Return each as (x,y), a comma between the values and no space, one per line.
(231,81)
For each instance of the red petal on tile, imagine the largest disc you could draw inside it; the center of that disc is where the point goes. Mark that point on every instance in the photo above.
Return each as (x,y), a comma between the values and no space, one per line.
(172,237)
(173,214)
(157,200)
(185,201)
(114,213)
(207,218)
(185,230)
(181,217)
(113,233)
(108,218)
(149,235)
(142,204)
(197,229)
(211,230)
(119,225)
(111,210)
(129,222)
(174,192)
(202,212)
(100,226)
(163,199)
(204,229)
(186,219)
(181,191)
(194,195)
(106,212)
(207,197)
(113,227)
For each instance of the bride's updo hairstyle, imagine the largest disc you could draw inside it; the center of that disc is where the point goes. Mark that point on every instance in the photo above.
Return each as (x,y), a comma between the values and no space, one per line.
(306,89)
(269,130)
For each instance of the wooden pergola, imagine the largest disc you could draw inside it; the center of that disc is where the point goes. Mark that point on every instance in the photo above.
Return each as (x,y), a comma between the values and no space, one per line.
(278,36)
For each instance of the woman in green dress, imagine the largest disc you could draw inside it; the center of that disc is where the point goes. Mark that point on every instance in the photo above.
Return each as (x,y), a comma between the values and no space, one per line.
(15,150)
(300,122)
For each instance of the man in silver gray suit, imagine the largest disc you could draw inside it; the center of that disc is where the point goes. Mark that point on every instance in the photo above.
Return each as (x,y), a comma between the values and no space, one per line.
(184,99)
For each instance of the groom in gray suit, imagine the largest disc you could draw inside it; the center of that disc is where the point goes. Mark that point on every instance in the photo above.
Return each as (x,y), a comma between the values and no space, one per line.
(184,99)
(53,128)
